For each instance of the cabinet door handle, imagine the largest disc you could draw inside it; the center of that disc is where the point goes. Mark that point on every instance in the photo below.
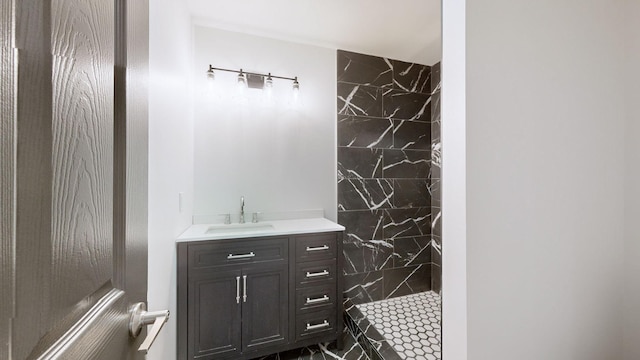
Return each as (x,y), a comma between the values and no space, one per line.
(315,274)
(237,289)
(324,324)
(244,282)
(317,300)
(317,248)
(241,256)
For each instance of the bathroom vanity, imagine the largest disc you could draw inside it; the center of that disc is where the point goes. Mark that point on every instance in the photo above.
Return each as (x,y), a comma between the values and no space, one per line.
(248,290)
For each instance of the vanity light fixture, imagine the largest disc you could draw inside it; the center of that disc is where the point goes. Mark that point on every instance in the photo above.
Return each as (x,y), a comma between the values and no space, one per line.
(255,80)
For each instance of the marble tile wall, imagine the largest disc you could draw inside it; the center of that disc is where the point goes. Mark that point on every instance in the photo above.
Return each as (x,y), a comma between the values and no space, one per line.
(435,181)
(385,187)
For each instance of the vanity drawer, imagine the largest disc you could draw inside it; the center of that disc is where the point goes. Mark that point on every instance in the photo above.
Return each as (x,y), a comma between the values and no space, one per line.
(237,251)
(316,298)
(313,324)
(315,273)
(315,247)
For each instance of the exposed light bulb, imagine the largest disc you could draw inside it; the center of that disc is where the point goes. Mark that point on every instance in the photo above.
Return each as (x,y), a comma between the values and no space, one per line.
(242,81)
(296,89)
(210,74)
(268,85)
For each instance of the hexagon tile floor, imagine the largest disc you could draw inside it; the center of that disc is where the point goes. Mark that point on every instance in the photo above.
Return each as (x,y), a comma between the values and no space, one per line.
(411,324)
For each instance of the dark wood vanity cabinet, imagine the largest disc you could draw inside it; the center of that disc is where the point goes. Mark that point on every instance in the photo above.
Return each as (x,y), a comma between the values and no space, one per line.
(244,298)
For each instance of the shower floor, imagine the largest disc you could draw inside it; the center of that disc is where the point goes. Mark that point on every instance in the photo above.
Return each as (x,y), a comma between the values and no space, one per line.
(411,324)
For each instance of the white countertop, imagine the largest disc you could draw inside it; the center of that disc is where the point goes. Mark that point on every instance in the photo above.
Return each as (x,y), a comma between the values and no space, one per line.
(201,232)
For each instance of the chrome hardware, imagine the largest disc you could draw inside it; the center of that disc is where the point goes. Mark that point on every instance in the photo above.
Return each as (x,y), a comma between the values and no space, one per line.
(241,210)
(317,300)
(317,248)
(254,218)
(141,317)
(324,324)
(321,273)
(241,256)
(237,289)
(244,280)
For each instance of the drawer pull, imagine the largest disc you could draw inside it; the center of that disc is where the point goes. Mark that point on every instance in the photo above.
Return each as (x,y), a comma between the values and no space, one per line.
(317,248)
(317,300)
(316,274)
(324,324)
(241,256)
(244,285)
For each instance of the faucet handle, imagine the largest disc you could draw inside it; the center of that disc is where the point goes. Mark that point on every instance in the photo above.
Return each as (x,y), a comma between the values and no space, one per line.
(254,219)
(227,218)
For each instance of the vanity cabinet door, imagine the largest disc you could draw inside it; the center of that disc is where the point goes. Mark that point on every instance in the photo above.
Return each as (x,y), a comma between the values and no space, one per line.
(215,303)
(265,314)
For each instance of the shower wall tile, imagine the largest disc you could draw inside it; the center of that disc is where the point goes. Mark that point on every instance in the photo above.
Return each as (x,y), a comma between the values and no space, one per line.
(361,100)
(407,106)
(361,225)
(407,222)
(436,221)
(406,164)
(436,249)
(435,192)
(364,69)
(413,135)
(436,278)
(358,194)
(406,280)
(364,287)
(411,193)
(411,77)
(366,256)
(413,250)
(385,189)
(359,163)
(357,131)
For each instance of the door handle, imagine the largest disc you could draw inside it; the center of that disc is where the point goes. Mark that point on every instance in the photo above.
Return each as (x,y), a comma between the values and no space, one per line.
(244,285)
(237,289)
(141,317)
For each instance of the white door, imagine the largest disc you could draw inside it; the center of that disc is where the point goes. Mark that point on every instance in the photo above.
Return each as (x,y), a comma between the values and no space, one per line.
(73,194)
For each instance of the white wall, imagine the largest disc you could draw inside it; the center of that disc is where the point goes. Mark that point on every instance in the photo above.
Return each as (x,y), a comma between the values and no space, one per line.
(632,187)
(544,179)
(279,156)
(170,157)
(454,272)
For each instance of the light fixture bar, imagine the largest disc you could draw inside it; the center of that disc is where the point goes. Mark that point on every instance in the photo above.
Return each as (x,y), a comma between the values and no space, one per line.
(211,69)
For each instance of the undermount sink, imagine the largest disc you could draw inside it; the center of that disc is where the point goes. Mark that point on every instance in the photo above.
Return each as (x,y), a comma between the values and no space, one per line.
(238,228)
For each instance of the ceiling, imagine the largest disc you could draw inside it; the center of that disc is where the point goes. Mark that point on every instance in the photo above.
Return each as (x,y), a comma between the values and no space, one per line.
(407,30)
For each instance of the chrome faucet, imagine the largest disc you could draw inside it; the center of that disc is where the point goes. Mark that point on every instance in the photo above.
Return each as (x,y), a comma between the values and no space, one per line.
(242,210)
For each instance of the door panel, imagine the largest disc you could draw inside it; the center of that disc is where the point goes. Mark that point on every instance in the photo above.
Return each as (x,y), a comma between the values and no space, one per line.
(214,310)
(265,314)
(7,172)
(80,218)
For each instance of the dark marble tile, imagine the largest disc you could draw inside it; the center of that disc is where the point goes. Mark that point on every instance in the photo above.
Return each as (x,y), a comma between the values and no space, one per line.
(411,77)
(435,193)
(404,105)
(436,160)
(412,135)
(406,164)
(406,280)
(363,288)
(374,343)
(359,100)
(411,193)
(358,194)
(413,250)
(436,250)
(364,69)
(351,351)
(435,77)
(407,222)
(361,225)
(357,131)
(436,278)
(359,163)
(366,256)
(436,221)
